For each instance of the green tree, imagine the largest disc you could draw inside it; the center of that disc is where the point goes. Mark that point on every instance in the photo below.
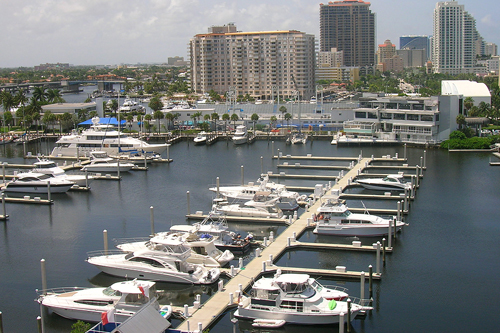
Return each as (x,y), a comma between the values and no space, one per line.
(147,122)
(468,104)
(460,121)
(54,96)
(170,118)
(40,94)
(254,118)
(155,104)
(80,327)
(226,117)
(283,111)
(273,121)
(234,119)
(214,116)
(130,120)
(288,117)
(158,115)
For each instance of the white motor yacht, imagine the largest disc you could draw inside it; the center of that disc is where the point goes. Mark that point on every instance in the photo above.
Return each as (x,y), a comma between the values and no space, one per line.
(101,162)
(388,183)
(298,138)
(215,225)
(201,138)
(252,208)
(146,265)
(87,304)
(102,137)
(34,182)
(240,135)
(334,218)
(242,193)
(203,250)
(297,299)
(51,168)
(132,106)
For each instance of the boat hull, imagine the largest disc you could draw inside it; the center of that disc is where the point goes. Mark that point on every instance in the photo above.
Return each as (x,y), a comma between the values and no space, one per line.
(301,318)
(38,189)
(339,230)
(381,187)
(239,140)
(96,168)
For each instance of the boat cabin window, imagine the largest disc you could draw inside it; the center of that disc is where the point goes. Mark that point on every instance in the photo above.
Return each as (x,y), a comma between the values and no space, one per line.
(147,261)
(293,305)
(94,302)
(390,179)
(292,287)
(199,250)
(266,294)
(135,299)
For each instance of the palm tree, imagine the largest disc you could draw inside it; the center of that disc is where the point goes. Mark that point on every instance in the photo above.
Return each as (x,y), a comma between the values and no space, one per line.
(254,118)
(158,115)
(147,119)
(215,117)
(130,120)
(234,119)
(40,94)
(66,119)
(226,118)
(461,121)
(170,118)
(21,101)
(8,102)
(114,106)
(288,117)
(283,111)
(273,120)
(54,96)
(468,103)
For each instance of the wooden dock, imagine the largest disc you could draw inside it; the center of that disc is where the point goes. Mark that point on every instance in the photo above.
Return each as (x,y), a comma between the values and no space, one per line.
(219,302)
(314,177)
(312,167)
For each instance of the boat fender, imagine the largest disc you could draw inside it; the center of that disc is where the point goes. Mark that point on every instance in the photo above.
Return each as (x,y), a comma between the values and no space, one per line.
(332,304)
(315,217)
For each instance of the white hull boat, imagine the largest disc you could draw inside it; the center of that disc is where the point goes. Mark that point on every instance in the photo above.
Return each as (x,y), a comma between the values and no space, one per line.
(102,137)
(200,139)
(298,138)
(388,183)
(88,304)
(240,135)
(296,299)
(101,162)
(334,218)
(152,267)
(268,209)
(38,183)
(51,168)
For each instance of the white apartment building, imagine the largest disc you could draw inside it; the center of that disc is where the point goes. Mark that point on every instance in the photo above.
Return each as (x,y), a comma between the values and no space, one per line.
(454,40)
(262,64)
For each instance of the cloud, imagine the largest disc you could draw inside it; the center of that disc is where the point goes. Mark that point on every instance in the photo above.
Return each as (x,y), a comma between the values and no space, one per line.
(489,21)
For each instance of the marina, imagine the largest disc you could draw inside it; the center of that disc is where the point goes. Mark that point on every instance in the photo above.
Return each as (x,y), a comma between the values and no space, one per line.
(131,220)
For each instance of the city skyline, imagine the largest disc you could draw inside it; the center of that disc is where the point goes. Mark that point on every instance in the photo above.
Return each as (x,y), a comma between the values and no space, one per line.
(114,32)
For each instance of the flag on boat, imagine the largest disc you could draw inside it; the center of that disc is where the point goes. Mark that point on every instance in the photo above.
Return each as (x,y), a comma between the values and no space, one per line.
(108,317)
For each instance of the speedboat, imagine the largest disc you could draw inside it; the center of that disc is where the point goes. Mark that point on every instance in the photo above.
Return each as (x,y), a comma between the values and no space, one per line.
(203,250)
(240,135)
(334,218)
(146,265)
(297,299)
(34,182)
(388,183)
(252,208)
(201,138)
(51,168)
(87,304)
(102,137)
(215,225)
(242,193)
(101,162)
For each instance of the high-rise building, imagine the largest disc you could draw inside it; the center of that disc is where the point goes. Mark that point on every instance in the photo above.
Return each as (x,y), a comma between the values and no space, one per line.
(386,51)
(490,49)
(349,26)
(455,39)
(414,42)
(261,64)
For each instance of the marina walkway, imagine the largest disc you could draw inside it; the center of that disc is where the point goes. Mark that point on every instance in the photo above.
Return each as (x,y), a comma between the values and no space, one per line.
(219,302)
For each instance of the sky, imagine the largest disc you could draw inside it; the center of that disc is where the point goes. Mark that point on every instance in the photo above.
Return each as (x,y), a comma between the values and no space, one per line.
(98,32)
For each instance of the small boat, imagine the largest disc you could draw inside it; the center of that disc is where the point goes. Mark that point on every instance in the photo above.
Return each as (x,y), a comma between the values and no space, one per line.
(146,265)
(334,218)
(297,299)
(101,162)
(87,304)
(215,225)
(268,323)
(34,182)
(388,183)
(201,138)
(132,106)
(240,135)
(49,167)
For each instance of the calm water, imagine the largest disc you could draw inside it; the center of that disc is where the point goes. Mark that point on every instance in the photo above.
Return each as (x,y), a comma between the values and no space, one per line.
(441,277)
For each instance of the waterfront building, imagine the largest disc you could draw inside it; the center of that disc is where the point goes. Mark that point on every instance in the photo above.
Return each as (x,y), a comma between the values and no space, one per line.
(71,108)
(490,49)
(263,64)
(330,67)
(333,58)
(385,51)
(348,26)
(455,40)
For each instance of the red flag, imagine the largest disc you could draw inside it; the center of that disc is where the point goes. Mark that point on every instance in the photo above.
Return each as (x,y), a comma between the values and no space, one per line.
(108,317)
(141,288)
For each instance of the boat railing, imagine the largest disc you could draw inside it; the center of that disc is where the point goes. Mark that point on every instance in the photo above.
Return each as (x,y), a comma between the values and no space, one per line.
(119,241)
(58,291)
(336,288)
(100,253)
(360,301)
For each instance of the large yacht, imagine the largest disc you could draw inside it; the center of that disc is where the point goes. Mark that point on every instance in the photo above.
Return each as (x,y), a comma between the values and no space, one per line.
(103,137)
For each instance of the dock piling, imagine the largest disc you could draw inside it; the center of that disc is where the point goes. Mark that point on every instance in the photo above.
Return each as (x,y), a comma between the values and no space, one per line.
(370,280)
(341,323)
(231,301)
(240,263)
(44,277)
(389,244)
(217,182)
(105,239)
(263,266)
(152,219)
(362,285)
(186,311)
(242,176)
(3,210)
(425,160)
(348,315)
(38,325)
(378,259)
(383,250)
(261,165)
(3,171)
(188,204)
(48,190)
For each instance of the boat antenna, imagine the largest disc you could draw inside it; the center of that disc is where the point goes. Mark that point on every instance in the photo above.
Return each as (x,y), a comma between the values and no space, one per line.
(366,210)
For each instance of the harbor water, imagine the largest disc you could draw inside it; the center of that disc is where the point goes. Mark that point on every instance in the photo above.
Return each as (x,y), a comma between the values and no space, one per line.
(441,276)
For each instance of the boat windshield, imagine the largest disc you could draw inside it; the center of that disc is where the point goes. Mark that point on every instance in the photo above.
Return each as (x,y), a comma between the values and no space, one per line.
(111,292)
(317,286)
(391,179)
